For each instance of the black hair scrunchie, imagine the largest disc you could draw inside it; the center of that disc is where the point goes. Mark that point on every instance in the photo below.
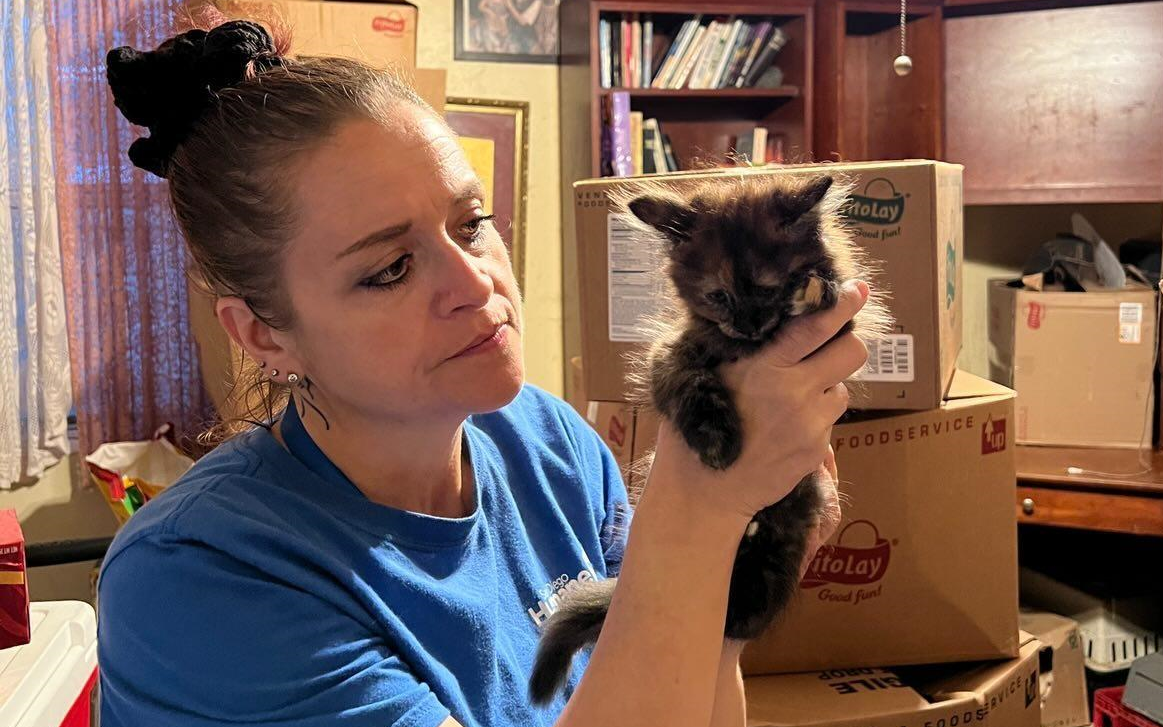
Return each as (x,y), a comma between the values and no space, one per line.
(167,90)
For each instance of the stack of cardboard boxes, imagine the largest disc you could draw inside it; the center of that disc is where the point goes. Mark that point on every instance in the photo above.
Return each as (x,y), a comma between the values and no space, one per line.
(923,568)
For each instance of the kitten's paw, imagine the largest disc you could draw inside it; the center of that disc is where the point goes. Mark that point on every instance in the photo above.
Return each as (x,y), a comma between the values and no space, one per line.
(718,440)
(815,294)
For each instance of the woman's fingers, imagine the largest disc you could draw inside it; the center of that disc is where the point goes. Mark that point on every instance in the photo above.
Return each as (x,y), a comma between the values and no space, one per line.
(800,337)
(837,360)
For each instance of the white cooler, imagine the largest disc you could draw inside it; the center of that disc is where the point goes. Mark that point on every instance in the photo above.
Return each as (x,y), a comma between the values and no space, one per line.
(49,681)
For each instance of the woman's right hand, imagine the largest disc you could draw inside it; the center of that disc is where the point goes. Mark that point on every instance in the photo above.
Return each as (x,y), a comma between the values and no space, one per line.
(789,395)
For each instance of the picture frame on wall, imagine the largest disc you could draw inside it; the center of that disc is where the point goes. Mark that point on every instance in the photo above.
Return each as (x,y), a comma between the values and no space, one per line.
(506,31)
(495,136)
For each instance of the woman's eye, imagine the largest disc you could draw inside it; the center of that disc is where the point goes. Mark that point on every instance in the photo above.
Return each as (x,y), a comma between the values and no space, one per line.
(392,275)
(472,228)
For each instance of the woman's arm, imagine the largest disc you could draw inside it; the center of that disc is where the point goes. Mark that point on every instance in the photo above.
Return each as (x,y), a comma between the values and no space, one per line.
(730,703)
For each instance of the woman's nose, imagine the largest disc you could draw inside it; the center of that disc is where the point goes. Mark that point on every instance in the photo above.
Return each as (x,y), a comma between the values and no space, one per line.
(465,281)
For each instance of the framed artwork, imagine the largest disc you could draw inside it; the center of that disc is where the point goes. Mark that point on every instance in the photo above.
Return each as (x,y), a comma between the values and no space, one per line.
(495,136)
(506,31)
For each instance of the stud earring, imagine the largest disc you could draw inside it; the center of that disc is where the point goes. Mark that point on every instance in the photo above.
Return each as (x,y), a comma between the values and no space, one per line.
(292,378)
(274,373)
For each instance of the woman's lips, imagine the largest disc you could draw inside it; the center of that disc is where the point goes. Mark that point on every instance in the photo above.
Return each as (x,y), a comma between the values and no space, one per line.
(486,343)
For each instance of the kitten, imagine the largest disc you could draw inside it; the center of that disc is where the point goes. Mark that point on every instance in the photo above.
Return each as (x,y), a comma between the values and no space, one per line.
(744,257)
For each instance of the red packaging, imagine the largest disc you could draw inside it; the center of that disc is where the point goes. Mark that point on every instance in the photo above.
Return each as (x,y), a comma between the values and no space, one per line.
(14,629)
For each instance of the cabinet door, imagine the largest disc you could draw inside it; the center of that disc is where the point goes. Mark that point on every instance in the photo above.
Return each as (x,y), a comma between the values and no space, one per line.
(1061,105)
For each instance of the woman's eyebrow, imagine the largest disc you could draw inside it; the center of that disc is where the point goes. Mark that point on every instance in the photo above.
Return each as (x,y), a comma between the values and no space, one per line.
(470,190)
(377,238)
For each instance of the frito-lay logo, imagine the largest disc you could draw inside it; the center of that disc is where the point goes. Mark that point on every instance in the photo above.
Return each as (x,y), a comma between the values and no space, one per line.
(392,24)
(859,557)
(1034,313)
(617,432)
(993,435)
(880,204)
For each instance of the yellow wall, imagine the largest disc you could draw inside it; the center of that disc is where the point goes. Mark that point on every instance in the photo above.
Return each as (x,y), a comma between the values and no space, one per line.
(537,84)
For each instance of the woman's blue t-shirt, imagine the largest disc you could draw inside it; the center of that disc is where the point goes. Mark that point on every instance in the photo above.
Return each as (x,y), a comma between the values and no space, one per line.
(263,588)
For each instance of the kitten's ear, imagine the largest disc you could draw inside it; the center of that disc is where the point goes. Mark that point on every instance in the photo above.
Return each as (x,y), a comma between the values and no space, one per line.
(807,198)
(669,216)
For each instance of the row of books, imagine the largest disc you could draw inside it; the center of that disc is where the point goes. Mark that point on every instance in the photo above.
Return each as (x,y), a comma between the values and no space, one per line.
(723,52)
(633,144)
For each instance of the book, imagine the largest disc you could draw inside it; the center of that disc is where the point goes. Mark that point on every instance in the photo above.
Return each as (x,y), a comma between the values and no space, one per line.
(650,126)
(636,141)
(726,52)
(621,163)
(766,56)
(689,58)
(674,54)
(607,131)
(627,46)
(759,145)
(647,53)
(742,45)
(762,32)
(604,53)
(775,149)
(668,154)
(615,53)
(649,141)
(743,149)
(712,40)
(635,57)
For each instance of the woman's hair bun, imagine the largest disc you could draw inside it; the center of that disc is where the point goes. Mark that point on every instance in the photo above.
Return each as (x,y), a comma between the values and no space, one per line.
(167,89)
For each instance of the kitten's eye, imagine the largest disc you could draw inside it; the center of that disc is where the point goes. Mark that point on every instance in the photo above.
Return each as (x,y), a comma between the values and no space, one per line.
(718,297)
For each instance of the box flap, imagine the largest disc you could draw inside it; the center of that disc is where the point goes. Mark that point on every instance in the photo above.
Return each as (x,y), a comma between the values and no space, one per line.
(823,698)
(729,171)
(967,386)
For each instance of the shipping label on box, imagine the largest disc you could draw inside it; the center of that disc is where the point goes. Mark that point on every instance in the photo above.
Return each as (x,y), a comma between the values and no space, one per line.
(1081,363)
(998,694)
(907,215)
(14,616)
(923,567)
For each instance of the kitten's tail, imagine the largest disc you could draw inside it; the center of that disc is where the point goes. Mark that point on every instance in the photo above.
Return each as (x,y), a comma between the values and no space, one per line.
(574,626)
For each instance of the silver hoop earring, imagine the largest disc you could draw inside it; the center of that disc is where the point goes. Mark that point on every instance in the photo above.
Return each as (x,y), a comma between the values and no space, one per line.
(292,378)
(274,373)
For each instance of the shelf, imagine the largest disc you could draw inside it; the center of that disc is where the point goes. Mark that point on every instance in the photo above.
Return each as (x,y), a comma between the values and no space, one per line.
(711,93)
(1103,469)
(1113,493)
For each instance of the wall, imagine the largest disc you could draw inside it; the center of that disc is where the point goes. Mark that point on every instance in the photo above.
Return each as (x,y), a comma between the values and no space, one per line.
(537,84)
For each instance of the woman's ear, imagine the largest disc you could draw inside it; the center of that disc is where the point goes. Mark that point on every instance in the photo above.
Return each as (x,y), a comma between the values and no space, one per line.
(254,335)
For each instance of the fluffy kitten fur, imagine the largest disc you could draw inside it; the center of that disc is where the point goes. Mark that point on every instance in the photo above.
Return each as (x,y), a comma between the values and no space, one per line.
(744,257)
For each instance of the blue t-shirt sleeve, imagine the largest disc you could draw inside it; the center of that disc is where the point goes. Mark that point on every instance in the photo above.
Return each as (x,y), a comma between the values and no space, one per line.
(193,637)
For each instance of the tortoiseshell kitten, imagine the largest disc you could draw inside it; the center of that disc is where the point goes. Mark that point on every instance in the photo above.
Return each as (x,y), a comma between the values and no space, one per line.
(744,257)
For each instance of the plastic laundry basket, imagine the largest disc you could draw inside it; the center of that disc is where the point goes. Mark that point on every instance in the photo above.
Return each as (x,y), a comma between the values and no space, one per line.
(48,682)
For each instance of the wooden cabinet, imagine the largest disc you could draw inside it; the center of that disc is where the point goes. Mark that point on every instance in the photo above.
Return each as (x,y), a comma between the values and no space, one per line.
(864,110)
(1056,105)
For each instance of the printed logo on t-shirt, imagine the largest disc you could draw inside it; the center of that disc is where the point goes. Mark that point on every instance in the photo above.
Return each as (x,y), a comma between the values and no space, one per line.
(549,595)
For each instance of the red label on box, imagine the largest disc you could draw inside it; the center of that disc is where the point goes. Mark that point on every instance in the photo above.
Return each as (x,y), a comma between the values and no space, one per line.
(860,561)
(993,435)
(1034,316)
(617,432)
(392,24)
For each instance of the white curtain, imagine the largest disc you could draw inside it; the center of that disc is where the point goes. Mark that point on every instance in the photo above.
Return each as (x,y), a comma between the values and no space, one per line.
(35,393)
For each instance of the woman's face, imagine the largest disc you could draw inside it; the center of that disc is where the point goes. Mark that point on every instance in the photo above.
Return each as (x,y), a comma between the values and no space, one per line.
(404,300)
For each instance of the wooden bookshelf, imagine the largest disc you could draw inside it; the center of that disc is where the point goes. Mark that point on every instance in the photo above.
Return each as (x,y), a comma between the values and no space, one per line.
(701,123)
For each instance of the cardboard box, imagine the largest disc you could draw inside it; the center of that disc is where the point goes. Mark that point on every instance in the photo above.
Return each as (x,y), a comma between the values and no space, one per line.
(923,568)
(1062,672)
(377,33)
(999,694)
(630,434)
(907,214)
(1081,363)
(15,628)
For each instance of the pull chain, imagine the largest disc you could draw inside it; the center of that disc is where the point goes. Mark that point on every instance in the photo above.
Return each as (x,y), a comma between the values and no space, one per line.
(903,65)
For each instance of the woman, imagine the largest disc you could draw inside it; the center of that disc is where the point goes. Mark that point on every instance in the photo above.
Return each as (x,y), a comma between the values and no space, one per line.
(381,551)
